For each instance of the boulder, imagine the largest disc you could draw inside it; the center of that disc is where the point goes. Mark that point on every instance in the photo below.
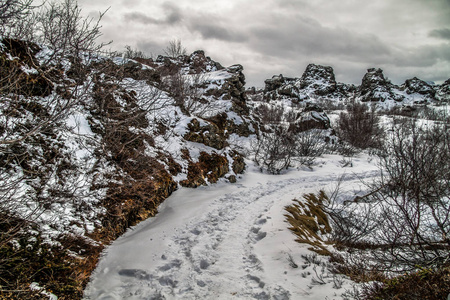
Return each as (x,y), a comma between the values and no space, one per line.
(209,135)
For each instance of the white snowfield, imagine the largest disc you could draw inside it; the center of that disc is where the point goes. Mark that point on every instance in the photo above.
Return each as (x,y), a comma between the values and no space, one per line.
(227,241)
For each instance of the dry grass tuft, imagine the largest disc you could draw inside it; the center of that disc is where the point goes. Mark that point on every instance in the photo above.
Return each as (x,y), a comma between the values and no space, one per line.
(309,222)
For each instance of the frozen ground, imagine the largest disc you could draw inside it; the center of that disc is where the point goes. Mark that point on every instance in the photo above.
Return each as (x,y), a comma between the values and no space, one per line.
(227,241)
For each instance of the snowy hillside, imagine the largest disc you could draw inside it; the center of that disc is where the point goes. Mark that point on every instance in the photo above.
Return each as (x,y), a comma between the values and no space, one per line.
(94,147)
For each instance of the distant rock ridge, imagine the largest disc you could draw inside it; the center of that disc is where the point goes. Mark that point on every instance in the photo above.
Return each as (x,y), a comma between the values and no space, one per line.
(318,83)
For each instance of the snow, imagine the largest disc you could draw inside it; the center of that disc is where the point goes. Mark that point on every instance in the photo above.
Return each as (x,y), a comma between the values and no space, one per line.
(231,115)
(78,122)
(227,241)
(35,287)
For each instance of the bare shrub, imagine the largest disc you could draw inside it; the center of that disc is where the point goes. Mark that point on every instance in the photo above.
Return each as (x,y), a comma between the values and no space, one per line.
(285,138)
(13,13)
(270,114)
(431,113)
(360,126)
(404,221)
(330,105)
(187,90)
(273,151)
(61,26)
(416,187)
(131,53)
(309,145)
(423,284)
(36,168)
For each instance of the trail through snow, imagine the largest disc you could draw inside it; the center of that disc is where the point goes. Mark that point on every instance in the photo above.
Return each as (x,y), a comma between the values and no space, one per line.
(226,241)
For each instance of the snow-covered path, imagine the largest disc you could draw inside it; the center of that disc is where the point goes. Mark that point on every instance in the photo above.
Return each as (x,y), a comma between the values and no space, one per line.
(226,241)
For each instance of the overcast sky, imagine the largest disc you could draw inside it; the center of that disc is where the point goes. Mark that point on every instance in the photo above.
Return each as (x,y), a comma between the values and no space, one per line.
(405,38)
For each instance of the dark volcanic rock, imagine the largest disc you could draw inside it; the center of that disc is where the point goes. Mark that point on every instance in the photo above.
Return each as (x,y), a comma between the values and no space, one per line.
(376,87)
(443,91)
(209,135)
(317,82)
(312,120)
(274,83)
(318,78)
(415,85)
(210,167)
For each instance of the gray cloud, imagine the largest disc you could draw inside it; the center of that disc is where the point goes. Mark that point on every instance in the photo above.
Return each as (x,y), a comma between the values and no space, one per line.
(210,27)
(443,33)
(151,48)
(173,16)
(424,56)
(307,37)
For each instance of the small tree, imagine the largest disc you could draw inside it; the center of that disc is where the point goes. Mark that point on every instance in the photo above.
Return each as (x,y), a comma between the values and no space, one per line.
(175,49)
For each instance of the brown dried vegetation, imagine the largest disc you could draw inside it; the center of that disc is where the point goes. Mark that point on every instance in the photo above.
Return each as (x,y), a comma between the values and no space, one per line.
(309,222)
(209,167)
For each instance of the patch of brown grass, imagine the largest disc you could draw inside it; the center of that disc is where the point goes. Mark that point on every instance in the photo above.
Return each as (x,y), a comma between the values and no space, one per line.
(309,222)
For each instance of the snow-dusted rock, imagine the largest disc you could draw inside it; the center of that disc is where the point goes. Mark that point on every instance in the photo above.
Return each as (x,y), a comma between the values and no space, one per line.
(317,82)
(318,79)
(443,91)
(375,87)
(415,85)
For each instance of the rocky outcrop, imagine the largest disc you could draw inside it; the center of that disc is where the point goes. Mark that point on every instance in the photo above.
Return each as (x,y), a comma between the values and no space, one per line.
(415,85)
(318,79)
(274,83)
(215,131)
(311,120)
(376,87)
(208,134)
(230,87)
(238,165)
(317,82)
